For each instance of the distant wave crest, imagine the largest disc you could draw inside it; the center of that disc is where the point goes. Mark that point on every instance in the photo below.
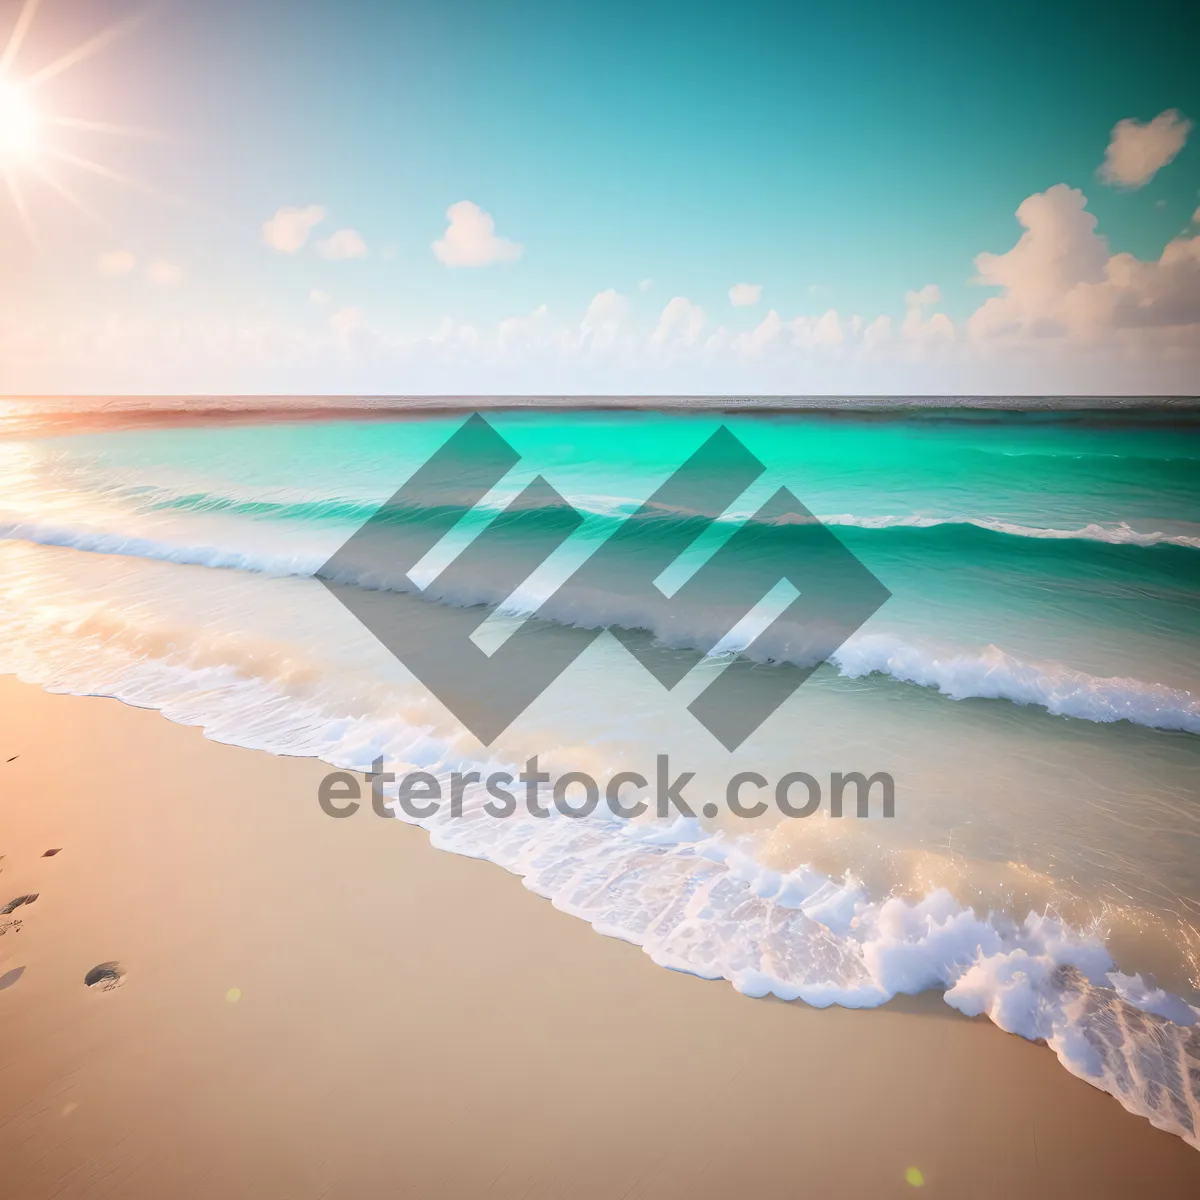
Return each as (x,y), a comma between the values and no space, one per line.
(1118,534)
(962,674)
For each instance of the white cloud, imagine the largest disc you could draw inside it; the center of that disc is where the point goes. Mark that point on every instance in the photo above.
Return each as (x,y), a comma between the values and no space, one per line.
(345,321)
(1137,151)
(767,333)
(345,243)
(680,323)
(1059,280)
(929,295)
(115,263)
(742,295)
(645,285)
(289,228)
(878,332)
(159,271)
(164,273)
(1068,316)
(825,331)
(470,239)
(1196,217)
(517,335)
(1058,250)
(605,315)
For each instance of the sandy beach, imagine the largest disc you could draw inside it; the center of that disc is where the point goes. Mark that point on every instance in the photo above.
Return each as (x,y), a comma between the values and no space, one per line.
(311,1007)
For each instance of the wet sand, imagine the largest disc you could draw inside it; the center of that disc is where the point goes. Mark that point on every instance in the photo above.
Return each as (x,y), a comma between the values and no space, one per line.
(309,1007)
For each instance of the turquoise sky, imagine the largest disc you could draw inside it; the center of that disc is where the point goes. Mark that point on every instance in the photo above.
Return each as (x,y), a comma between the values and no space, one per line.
(836,156)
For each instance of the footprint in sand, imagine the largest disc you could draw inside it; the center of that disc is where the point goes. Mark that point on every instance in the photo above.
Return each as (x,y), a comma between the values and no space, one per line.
(15,924)
(105,977)
(52,853)
(11,977)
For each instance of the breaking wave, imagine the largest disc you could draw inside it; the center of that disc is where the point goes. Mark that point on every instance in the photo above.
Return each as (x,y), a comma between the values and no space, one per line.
(988,673)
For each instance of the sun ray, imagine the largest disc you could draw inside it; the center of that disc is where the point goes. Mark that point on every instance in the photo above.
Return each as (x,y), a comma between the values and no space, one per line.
(85,49)
(26,150)
(18,200)
(72,198)
(88,164)
(24,20)
(130,131)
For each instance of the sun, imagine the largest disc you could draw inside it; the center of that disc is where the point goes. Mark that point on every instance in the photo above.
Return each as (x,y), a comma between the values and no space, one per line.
(18,124)
(26,144)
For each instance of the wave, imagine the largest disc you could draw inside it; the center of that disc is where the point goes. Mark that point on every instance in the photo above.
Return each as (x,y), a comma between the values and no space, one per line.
(1115,534)
(158,549)
(994,675)
(357,511)
(989,674)
(698,902)
(701,901)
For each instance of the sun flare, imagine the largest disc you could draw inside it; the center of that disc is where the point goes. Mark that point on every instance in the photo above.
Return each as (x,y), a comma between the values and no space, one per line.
(25,144)
(18,124)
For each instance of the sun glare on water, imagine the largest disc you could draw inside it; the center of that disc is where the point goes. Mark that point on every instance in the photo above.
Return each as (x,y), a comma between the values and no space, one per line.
(27,148)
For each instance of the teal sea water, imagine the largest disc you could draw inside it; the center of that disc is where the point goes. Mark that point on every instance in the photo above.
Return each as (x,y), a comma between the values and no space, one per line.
(1032,685)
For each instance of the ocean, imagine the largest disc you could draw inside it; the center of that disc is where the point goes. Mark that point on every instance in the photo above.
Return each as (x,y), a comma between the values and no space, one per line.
(1031,685)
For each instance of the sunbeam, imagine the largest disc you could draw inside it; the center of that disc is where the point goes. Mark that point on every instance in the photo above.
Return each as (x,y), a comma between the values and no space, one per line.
(24,20)
(129,131)
(14,190)
(71,197)
(89,164)
(25,125)
(85,49)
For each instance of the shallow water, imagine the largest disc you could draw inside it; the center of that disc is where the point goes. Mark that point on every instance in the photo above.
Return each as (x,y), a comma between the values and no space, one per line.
(1031,686)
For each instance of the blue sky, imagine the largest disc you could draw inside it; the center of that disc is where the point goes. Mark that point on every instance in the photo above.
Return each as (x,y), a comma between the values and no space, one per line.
(836,157)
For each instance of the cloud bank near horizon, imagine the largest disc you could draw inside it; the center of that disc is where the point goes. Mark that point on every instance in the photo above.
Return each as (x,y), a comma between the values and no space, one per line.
(1066,315)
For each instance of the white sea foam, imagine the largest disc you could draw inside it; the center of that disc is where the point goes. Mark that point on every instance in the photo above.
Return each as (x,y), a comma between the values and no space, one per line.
(990,673)
(695,900)
(1119,533)
(994,675)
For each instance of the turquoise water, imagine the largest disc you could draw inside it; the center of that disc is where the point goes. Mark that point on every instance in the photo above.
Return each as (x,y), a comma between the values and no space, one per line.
(1032,686)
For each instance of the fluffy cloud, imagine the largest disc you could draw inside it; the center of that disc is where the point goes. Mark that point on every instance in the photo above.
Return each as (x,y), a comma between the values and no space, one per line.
(1059,280)
(742,295)
(164,273)
(929,295)
(605,315)
(1068,316)
(825,331)
(345,243)
(1138,151)
(766,334)
(680,323)
(1058,251)
(522,335)
(115,263)
(470,239)
(159,271)
(289,228)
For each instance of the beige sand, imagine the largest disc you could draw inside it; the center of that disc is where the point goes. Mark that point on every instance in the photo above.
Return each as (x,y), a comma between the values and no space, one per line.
(415,1024)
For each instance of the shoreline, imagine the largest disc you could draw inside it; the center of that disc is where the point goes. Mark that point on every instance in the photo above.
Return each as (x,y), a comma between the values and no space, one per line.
(317,1008)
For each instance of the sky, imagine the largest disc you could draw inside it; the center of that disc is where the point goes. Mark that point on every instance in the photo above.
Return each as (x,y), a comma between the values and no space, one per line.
(251,196)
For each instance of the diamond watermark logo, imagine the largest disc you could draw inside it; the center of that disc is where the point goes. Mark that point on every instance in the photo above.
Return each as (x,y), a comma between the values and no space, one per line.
(780,588)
